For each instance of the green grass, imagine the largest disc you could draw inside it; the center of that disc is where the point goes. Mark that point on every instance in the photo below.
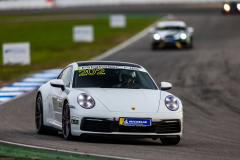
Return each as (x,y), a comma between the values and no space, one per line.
(51,41)
(8,150)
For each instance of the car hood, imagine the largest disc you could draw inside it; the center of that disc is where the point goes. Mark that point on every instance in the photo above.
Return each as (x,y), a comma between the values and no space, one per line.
(165,33)
(126,100)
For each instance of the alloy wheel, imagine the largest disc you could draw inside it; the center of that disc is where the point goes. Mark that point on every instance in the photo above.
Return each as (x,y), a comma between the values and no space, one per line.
(66,125)
(38,114)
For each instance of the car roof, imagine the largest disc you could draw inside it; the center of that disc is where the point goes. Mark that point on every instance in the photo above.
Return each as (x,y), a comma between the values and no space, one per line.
(108,63)
(171,23)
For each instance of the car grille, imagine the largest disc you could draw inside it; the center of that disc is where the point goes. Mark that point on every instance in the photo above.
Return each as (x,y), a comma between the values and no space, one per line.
(169,36)
(102,125)
(169,126)
(148,129)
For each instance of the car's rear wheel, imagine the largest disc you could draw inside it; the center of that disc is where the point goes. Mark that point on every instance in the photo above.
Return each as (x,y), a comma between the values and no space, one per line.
(40,128)
(66,123)
(170,141)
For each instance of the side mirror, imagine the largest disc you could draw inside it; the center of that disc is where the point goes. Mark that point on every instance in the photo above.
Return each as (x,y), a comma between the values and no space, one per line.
(190,29)
(151,30)
(57,83)
(165,86)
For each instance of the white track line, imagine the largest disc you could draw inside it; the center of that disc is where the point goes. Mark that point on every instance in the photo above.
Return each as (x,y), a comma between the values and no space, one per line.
(17,88)
(5,99)
(65,151)
(28,83)
(10,93)
(10,99)
(40,80)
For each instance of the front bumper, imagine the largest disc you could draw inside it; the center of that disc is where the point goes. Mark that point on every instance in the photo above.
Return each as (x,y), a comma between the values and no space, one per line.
(177,43)
(132,135)
(107,124)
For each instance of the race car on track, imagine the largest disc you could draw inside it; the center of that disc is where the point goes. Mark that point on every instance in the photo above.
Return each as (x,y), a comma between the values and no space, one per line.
(231,7)
(171,33)
(107,98)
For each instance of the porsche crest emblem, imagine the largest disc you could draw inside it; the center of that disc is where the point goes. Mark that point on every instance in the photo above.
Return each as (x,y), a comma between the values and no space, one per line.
(133,108)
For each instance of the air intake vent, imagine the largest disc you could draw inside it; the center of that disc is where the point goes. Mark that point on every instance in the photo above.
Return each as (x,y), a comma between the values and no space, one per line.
(169,126)
(96,125)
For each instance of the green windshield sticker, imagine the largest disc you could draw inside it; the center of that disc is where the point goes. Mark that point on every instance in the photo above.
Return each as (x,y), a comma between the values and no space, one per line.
(91,71)
(79,68)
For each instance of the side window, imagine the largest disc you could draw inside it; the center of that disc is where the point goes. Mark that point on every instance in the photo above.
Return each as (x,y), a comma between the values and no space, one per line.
(66,76)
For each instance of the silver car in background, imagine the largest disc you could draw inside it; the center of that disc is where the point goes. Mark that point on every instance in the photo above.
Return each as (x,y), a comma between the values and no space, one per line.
(171,33)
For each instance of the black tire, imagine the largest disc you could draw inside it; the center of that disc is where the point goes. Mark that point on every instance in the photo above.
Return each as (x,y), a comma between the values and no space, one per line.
(39,115)
(170,141)
(66,123)
(40,128)
(154,46)
(191,43)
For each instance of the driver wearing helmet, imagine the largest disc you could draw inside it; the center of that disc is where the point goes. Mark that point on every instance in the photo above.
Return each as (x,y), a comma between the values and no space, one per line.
(126,80)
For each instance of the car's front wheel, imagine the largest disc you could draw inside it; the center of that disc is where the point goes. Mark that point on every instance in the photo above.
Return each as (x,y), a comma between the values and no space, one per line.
(191,43)
(39,115)
(66,123)
(170,141)
(154,46)
(41,129)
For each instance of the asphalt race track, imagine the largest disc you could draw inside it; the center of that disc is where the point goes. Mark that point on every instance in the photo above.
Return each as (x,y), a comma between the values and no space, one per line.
(205,78)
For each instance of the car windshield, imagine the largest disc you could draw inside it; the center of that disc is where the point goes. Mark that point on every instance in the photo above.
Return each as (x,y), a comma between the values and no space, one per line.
(170,27)
(112,78)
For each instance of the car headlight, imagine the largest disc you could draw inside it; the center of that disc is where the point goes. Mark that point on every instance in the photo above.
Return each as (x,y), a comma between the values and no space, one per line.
(171,103)
(156,36)
(183,36)
(85,101)
(238,6)
(226,7)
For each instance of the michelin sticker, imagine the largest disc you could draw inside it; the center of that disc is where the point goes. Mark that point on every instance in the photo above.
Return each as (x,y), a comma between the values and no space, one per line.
(134,122)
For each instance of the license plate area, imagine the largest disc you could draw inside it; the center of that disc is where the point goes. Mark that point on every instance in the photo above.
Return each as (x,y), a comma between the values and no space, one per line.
(143,122)
(170,39)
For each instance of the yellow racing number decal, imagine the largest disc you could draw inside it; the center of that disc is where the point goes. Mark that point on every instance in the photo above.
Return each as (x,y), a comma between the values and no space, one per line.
(82,72)
(100,71)
(91,71)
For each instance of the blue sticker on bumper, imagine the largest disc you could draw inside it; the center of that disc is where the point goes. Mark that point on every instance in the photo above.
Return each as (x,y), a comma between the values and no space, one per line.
(170,40)
(135,122)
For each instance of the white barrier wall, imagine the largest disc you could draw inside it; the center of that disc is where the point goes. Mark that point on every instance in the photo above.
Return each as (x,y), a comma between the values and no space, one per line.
(25,4)
(37,4)
(68,3)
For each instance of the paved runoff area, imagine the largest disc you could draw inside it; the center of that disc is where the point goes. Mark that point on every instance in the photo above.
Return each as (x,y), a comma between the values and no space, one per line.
(26,85)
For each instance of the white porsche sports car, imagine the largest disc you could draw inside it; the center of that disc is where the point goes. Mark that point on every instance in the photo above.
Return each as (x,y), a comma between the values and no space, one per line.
(107,98)
(172,33)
